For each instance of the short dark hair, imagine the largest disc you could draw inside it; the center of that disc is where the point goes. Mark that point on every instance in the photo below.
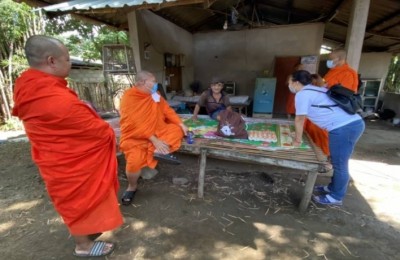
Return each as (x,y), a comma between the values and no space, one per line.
(302,76)
(216,80)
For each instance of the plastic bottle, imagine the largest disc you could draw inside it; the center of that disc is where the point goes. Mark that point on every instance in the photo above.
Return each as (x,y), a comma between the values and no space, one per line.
(190,136)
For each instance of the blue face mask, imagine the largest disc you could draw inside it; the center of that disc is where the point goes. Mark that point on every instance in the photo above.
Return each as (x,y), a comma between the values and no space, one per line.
(154,88)
(330,64)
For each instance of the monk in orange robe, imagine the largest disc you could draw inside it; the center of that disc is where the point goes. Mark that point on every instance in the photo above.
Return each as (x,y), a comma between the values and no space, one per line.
(72,146)
(149,127)
(340,73)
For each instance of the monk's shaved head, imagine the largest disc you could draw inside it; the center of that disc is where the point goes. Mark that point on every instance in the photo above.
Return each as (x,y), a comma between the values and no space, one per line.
(143,75)
(39,47)
(340,54)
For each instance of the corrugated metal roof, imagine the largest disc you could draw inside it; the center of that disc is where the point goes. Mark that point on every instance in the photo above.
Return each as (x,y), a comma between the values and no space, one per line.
(99,4)
(382,32)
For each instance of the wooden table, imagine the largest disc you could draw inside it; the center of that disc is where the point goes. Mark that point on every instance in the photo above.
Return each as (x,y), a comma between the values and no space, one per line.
(308,160)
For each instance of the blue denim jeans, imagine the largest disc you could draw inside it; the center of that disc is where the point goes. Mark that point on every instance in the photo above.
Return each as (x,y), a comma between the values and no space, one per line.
(341,145)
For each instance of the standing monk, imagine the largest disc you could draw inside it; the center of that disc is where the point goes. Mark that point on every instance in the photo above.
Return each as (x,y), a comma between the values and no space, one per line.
(339,73)
(150,130)
(72,146)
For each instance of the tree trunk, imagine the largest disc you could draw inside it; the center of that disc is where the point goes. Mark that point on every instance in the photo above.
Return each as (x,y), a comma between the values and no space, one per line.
(6,111)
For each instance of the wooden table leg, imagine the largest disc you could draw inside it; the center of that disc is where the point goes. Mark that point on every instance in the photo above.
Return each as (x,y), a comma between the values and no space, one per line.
(203,159)
(308,190)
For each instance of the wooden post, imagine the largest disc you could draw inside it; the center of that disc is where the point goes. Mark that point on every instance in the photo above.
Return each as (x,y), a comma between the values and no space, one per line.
(308,190)
(203,159)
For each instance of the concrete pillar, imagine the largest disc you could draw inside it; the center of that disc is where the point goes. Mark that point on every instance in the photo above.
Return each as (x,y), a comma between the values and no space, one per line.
(134,39)
(356,32)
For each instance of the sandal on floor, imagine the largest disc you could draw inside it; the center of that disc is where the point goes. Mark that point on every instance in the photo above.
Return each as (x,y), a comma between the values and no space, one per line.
(321,189)
(96,250)
(127,197)
(325,200)
(168,158)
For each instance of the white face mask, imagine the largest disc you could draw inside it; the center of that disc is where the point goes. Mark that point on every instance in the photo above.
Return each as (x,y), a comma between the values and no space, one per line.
(292,89)
(330,64)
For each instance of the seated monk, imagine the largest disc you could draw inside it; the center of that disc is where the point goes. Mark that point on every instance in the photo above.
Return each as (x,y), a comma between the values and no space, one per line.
(72,146)
(150,130)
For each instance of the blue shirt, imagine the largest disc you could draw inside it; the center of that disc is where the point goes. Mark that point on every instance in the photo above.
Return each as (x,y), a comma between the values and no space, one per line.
(326,118)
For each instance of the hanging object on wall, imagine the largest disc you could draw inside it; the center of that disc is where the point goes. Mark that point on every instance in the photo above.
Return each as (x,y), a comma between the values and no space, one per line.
(118,59)
(310,63)
(119,70)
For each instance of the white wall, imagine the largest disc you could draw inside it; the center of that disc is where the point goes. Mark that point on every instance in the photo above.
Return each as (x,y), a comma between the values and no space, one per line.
(241,56)
(163,37)
(374,65)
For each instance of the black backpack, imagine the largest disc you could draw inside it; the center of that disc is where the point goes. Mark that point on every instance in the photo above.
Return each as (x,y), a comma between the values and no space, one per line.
(344,98)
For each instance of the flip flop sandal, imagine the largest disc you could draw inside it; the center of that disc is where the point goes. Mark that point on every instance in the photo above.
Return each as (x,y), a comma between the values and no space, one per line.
(168,158)
(323,199)
(321,189)
(96,250)
(127,197)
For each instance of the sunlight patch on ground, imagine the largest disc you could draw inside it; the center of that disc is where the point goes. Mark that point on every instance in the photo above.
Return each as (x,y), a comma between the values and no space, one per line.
(23,205)
(6,226)
(56,220)
(379,184)
(272,232)
(179,252)
(138,225)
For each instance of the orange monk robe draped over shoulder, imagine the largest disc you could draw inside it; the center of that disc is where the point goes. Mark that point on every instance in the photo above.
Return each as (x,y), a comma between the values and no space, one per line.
(74,150)
(348,78)
(343,75)
(142,117)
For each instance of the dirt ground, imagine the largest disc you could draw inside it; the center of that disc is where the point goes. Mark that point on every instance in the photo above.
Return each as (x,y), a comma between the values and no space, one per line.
(248,212)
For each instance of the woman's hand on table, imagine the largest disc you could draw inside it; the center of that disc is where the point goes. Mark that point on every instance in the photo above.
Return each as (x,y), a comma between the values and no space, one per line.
(296,143)
(194,118)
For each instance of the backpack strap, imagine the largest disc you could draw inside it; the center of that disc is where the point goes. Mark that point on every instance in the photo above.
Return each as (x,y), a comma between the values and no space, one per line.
(322,106)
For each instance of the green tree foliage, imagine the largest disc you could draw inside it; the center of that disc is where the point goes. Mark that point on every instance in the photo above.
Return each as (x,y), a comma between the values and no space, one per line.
(392,83)
(17,23)
(83,39)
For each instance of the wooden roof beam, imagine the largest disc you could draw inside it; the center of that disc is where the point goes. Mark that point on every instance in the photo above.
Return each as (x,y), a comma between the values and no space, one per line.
(383,20)
(389,27)
(334,11)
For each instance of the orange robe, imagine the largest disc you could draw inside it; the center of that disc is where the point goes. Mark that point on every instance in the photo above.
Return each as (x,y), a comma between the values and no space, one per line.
(344,75)
(74,150)
(348,78)
(142,117)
